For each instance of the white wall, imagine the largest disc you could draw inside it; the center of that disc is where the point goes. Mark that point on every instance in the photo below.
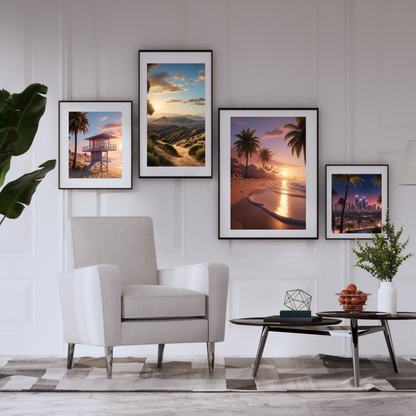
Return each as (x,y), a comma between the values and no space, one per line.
(353,60)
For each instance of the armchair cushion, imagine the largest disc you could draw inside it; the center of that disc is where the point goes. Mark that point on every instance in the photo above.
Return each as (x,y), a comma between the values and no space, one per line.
(159,302)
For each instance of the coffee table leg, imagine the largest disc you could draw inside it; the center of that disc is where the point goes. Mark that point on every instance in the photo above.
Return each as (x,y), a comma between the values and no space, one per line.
(389,342)
(260,349)
(355,355)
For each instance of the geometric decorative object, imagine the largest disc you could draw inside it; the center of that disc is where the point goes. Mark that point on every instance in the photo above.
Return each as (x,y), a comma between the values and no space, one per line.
(298,300)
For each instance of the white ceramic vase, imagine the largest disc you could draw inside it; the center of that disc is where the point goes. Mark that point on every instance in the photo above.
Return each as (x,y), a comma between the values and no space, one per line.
(387,298)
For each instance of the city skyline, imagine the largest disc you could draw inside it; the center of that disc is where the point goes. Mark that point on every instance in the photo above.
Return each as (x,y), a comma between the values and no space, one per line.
(367,189)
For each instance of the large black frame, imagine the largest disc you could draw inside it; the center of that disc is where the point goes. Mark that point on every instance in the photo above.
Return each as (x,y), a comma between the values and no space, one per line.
(171,57)
(229,226)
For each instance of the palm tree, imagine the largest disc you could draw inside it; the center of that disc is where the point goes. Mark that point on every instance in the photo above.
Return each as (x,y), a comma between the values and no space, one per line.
(78,122)
(334,194)
(297,137)
(379,200)
(376,180)
(265,156)
(353,179)
(247,145)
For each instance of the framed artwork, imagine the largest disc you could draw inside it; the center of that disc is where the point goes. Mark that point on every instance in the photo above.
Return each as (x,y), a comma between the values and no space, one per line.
(268,180)
(175,114)
(95,145)
(356,200)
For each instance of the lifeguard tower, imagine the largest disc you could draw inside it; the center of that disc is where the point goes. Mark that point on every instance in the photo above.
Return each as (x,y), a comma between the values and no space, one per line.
(99,146)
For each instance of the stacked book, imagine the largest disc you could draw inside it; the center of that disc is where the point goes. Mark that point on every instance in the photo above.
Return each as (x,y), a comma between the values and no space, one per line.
(288,316)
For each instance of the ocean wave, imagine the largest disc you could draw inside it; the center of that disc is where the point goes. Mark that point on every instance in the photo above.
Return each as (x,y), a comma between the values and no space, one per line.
(285,192)
(281,218)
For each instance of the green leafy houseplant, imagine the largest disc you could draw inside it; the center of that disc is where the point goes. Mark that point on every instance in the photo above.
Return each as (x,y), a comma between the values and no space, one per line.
(383,259)
(19,121)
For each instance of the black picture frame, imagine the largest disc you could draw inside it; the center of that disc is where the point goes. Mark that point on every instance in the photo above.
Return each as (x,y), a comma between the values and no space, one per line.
(176,86)
(107,132)
(283,204)
(363,214)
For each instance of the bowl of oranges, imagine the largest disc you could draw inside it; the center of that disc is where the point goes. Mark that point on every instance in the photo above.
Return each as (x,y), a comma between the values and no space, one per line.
(352,300)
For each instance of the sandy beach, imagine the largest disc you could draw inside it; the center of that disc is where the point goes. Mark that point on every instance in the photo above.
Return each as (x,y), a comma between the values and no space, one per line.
(113,173)
(245,215)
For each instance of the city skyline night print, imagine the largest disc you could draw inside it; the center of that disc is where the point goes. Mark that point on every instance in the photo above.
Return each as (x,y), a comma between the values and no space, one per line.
(356,200)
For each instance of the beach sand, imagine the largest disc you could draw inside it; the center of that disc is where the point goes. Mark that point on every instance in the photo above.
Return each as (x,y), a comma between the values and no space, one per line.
(113,173)
(246,216)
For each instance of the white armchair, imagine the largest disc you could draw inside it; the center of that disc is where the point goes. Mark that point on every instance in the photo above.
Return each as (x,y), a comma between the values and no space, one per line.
(114,295)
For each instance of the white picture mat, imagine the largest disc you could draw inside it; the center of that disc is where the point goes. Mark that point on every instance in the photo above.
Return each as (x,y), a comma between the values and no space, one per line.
(172,58)
(125,182)
(225,230)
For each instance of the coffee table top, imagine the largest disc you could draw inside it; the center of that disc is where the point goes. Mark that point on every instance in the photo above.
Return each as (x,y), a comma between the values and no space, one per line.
(367,315)
(260,322)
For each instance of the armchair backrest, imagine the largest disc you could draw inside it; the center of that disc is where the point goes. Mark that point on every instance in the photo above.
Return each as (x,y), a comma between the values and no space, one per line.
(127,242)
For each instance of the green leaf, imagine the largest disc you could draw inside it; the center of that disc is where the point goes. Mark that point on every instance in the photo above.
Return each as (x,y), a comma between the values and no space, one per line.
(15,195)
(4,95)
(8,137)
(24,111)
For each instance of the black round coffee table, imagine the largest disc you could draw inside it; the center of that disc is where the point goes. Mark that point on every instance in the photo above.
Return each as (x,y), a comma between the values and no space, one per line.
(315,328)
(357,331)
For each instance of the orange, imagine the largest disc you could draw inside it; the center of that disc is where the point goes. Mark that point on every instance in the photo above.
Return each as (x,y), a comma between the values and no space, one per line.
(352,288)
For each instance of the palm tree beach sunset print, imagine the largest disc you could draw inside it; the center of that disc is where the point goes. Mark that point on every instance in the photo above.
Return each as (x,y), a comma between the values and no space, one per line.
(356,203)
(268,173)
(95,144)
(176,114)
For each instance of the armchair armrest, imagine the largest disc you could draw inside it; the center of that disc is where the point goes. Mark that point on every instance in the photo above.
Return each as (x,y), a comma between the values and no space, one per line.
(91,305)
(210,279)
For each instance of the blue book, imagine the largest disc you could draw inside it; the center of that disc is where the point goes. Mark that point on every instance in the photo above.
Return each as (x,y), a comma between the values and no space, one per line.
(295,314)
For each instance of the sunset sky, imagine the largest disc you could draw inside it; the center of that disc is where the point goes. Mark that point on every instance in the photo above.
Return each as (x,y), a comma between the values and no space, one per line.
(100,122)
(271,133)
(367,190)
(177,89)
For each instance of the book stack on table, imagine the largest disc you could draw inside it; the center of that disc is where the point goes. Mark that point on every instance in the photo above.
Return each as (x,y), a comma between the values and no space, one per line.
(293,316)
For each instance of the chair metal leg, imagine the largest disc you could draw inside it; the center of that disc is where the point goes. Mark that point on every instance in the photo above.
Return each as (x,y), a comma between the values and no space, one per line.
(389,342)
(355,354)
(70,357)
(109,361)
(211,356)
(160,350)
(260,349)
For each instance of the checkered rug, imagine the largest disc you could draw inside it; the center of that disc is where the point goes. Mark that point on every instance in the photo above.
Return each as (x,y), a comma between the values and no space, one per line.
(298,374)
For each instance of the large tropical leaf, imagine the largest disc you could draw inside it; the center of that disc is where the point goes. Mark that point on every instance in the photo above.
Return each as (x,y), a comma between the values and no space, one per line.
(8,137)
(23,111)
(4,95)
(16,194)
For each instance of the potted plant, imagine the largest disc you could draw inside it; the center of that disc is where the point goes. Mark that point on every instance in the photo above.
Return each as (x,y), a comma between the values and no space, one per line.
(19,120)
(382,260)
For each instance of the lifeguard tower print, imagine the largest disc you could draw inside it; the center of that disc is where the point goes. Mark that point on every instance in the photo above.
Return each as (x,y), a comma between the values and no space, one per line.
(95,145)
(99,146)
